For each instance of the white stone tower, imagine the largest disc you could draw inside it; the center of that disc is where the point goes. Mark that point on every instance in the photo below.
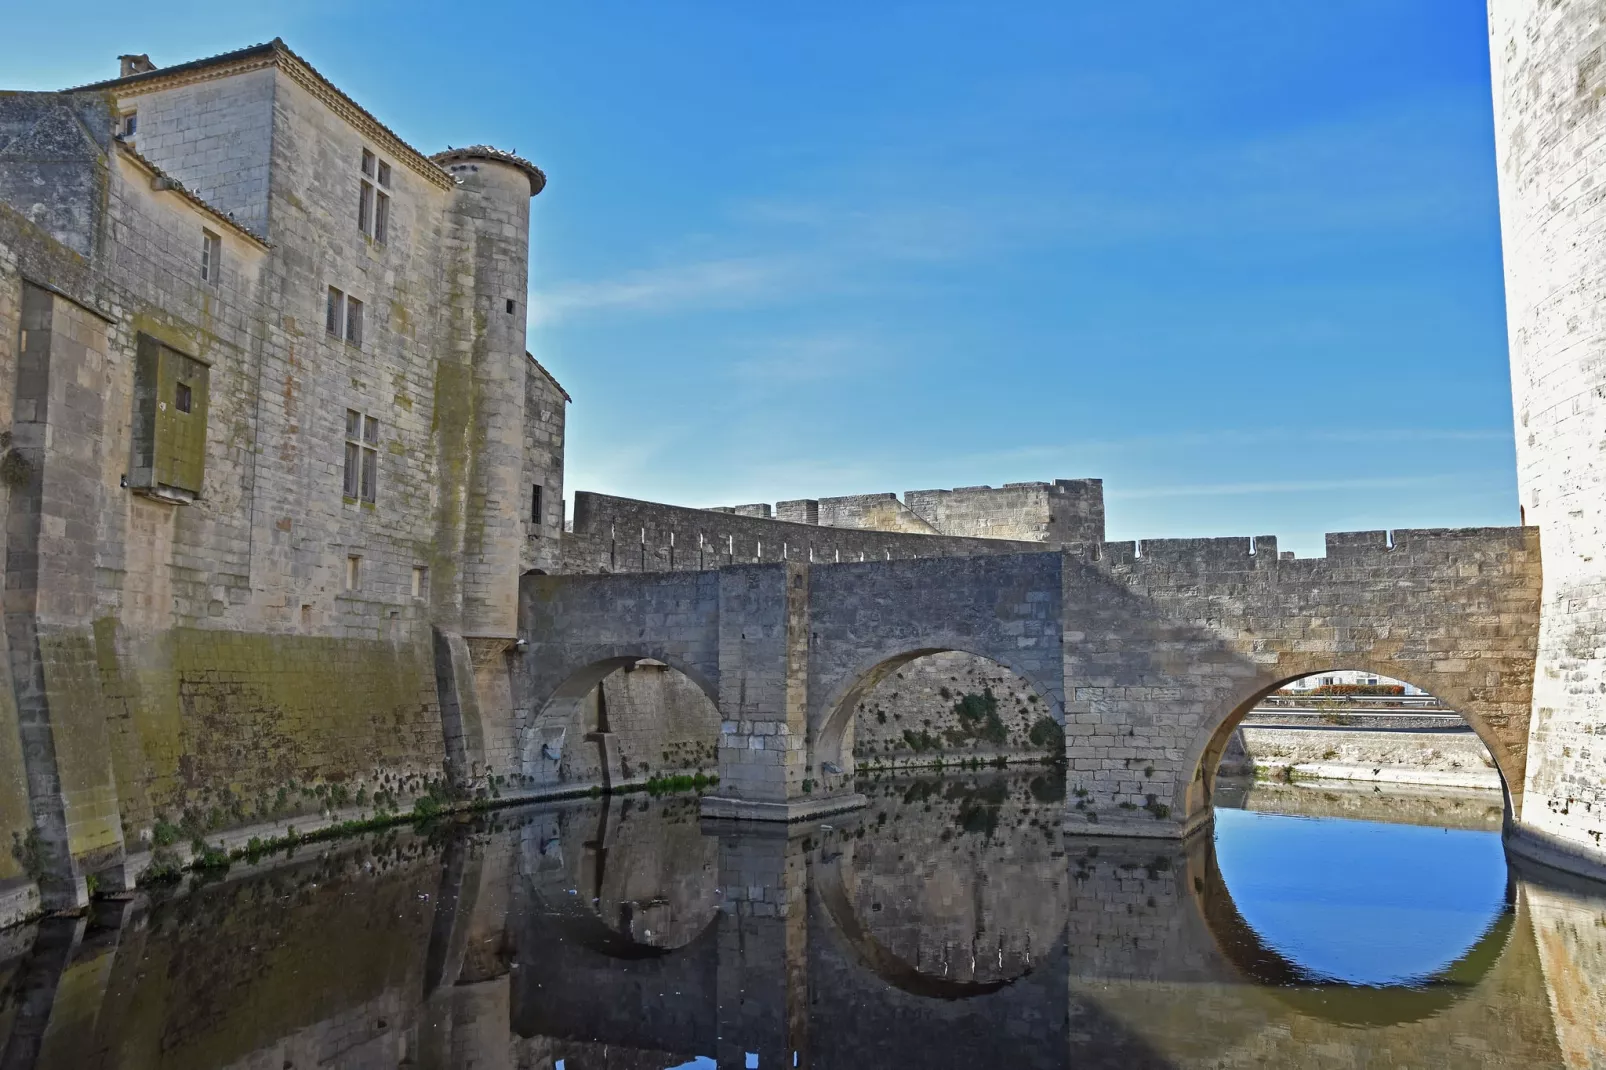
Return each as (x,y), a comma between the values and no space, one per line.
(491,225)
(1550,127)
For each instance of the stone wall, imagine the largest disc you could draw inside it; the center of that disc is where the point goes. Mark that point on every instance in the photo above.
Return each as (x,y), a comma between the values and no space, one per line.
(1551,131)
(1447,752)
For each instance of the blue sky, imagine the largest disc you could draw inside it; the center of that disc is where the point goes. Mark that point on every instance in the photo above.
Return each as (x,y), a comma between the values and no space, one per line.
(1241,261)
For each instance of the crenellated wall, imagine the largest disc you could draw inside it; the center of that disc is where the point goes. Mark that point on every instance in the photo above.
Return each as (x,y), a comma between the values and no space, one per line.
(1064,512)
(625,535)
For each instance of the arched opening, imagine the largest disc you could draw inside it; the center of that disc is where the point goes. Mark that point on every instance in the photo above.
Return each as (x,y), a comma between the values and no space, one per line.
(940,707)
(1355,726)
(1356,865)
(623,721)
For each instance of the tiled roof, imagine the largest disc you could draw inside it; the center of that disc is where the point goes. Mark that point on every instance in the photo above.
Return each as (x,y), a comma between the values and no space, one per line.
(486,152)
(249,52)
(550,377)
(173,185)
(277,53)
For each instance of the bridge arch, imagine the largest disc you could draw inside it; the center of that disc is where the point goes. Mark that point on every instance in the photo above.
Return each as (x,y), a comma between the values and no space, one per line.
(1195,794)
(835,712)
(557,706)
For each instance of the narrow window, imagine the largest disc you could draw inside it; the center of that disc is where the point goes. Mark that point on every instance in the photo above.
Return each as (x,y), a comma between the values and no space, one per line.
(334,316)
(373,202)
(510,306)
(353,572)
(535,504)
(182,397)
(211,256)
(370,458)
(353,453)
(381,217)
(128,124)
(353,321)
(420,580)
(362,456)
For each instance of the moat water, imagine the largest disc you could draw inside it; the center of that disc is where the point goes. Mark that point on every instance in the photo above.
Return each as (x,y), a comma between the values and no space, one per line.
(951,923)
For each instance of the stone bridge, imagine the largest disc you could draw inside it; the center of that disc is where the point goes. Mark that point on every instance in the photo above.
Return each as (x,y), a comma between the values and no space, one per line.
(1149,654)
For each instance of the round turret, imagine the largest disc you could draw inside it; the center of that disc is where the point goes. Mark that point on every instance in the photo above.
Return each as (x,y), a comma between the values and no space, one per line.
(1549,82)
(490,231)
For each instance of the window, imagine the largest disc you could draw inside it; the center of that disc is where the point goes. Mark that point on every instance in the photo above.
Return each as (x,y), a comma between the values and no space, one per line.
(353,321)
(535,504)
(168,440)
(373,197)
(381,217)
(335,316)
(353,572)
(510,306)
(420,581)
(362,456)
(211,257)
(128,124)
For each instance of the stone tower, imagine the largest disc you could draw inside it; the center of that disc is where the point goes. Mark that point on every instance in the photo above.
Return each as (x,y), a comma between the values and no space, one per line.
(491,226)
(1550,125)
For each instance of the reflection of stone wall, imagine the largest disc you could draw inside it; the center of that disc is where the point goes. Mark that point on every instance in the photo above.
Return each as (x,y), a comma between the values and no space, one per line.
(920,699)
(1569,925)
(1460,808)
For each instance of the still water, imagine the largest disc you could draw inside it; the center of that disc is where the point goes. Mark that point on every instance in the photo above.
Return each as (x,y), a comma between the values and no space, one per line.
(949,924)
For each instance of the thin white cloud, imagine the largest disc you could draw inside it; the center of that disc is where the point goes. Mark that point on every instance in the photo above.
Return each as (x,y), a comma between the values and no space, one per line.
(787,361)
(1206,490)
(733,280)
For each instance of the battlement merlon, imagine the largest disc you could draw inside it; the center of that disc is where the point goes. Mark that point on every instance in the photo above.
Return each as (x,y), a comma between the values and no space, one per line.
(1400,548)
(1062,513)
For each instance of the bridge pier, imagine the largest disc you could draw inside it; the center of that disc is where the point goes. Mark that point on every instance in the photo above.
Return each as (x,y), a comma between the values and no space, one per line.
(766,768)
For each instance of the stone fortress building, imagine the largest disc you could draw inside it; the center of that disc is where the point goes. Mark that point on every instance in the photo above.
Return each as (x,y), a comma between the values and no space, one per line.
(275,455)
(285,537)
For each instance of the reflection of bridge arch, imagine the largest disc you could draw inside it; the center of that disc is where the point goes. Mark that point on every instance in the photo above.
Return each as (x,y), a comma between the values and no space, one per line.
(573,891)
(1315,995)
(1195,794)
(834,878)
(831,888)
(836,711)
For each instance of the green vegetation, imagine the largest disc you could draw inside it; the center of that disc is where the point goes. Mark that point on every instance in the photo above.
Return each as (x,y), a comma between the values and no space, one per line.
(661,785)
(29,853)
(1048,734)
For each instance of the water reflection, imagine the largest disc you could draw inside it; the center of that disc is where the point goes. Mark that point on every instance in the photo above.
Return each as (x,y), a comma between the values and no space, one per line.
(949,924)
